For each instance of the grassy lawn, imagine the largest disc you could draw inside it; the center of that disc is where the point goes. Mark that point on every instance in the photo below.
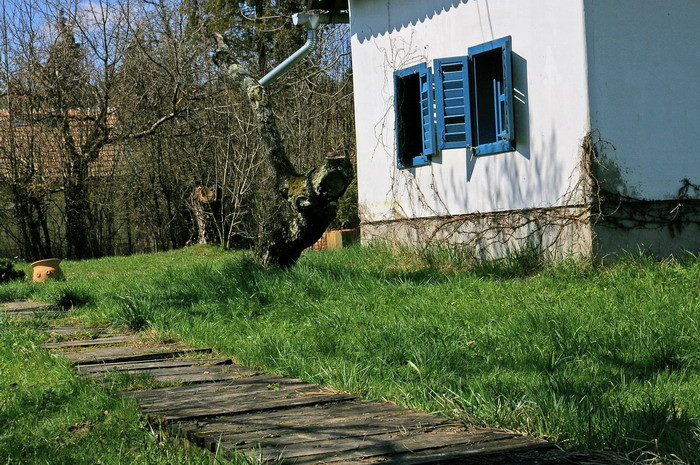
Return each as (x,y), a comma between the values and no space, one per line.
(589,357)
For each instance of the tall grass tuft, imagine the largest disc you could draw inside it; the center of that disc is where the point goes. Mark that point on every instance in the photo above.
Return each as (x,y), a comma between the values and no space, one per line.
(136,314)
(69,296)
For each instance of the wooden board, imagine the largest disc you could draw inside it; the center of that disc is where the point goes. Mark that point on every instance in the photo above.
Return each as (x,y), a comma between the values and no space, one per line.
(251,383)
(125,354)
(136,366)
(24,309)
(300,416)
(72,331)
(110,340)
(14,307)
(517,450)
(246,436)
(298,419)
(225,392)
(404,444)
(257,393)
(250,405)
(190,374)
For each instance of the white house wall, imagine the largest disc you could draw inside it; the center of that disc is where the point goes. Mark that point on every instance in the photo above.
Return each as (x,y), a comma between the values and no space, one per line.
(644,70)
(551,104)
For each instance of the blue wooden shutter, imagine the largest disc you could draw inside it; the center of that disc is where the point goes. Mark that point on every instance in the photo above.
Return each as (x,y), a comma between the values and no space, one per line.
(507,126)
(452,102)
(427,105)
(502,94)
(423,112)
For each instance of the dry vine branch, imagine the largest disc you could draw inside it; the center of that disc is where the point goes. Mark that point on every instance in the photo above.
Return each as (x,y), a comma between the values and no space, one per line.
(305,204)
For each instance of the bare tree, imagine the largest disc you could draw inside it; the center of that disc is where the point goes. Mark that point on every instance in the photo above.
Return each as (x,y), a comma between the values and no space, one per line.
(77,69)
(120,118)
(305,203)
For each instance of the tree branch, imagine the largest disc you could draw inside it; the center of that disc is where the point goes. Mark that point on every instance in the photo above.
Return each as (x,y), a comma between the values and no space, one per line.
(272,140)
(147,132)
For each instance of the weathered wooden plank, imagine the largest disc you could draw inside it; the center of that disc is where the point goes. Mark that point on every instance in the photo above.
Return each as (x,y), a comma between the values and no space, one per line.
(380,445)
(32,313)
(290,402)
(11,307)
(197,378)
(111,340)
(508,451)
(259,405)
(71,331)
(236,371)
(326,413)
(233,371)
(182,393)
(226,394)
(299,419)
(24,313)
(124,354)
(137,366)
(281,436)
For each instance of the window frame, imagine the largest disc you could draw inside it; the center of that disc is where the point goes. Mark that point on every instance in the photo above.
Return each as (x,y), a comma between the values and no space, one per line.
(427,146)
(507,134)
(434,109)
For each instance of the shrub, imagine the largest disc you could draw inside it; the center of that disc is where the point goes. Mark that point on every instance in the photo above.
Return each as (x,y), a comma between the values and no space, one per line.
(8,272)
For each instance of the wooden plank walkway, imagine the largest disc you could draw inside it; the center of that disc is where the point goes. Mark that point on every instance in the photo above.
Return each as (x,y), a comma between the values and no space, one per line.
(26,308)
(222,406)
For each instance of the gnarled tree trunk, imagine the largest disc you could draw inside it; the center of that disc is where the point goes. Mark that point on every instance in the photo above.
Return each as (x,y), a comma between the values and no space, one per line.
(305,203)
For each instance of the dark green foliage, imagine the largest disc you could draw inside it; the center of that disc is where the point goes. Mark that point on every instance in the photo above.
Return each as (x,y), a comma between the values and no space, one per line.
(347,217)
(8,272)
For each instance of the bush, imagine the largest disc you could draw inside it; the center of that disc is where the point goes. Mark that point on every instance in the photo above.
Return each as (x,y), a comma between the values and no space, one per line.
(8,272)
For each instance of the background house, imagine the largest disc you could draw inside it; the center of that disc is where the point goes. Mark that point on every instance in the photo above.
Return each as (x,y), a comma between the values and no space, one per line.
(499,122)
(33,147)
(34,170)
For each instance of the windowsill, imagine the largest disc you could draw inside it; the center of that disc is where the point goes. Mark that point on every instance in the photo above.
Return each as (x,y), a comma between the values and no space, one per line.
(494,148)
(420,160)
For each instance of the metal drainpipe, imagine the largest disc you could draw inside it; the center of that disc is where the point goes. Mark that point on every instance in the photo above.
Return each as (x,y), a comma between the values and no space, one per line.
(308,47)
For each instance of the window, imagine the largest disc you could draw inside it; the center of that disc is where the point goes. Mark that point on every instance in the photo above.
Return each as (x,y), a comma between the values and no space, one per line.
(493,130)
(473,105)
(415,129)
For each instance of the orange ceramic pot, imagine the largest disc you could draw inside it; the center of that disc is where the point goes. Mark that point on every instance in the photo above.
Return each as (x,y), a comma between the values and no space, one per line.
(47,269)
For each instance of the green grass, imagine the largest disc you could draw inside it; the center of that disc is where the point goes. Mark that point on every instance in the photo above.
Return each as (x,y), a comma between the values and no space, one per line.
(50,416)
(589,357)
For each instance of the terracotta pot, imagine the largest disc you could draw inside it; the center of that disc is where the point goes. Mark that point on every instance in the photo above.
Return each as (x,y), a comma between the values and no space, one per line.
(47,269)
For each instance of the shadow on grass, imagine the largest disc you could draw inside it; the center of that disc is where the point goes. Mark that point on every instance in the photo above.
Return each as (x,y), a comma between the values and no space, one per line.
(659,427)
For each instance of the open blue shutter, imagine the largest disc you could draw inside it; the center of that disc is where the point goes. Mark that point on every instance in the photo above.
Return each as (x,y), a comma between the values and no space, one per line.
(418,78)
(507,128)
(426,105)
(502,94)
(452,102)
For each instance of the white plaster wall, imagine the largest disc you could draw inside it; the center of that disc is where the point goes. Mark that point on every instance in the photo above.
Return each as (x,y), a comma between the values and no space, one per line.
(644,68)
(551,103)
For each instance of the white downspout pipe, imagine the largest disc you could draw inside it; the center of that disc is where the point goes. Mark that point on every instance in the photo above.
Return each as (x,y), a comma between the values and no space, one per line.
(308,47)
(311,21)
